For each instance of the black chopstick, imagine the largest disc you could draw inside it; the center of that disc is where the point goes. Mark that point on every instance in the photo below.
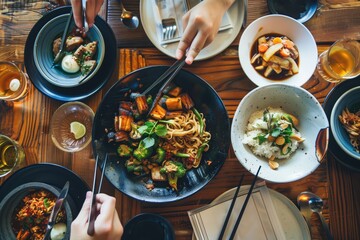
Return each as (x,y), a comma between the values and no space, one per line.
(244,205)
(230,209)
(91,220)
(165,74)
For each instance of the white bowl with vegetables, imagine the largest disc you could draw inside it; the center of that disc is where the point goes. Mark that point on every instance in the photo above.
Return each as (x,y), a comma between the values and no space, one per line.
(277,49)
(283,128)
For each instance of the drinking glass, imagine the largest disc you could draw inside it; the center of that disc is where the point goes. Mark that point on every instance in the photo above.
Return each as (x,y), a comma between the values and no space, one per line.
(14,83)
(340,62)
(12,155)
(71,126)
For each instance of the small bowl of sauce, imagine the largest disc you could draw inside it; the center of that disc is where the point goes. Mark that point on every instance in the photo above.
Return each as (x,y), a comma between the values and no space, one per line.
(301,10)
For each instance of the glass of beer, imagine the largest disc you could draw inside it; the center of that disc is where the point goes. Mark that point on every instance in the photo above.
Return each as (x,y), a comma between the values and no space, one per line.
(12,155)
(14,83)
(340,62)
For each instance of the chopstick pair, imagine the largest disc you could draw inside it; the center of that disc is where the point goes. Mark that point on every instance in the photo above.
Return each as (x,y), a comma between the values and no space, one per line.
(91,219)
(242,208)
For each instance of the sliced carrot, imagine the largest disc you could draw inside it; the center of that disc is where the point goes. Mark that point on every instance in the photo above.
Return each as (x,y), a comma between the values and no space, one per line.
(284,52)
(277,40)
(263,47)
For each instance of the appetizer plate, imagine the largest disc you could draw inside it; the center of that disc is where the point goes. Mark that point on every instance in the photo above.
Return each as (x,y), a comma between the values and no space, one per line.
(98,80)
(290,218)
(206,101)
(51,174)
(222,40)
(328,105)
(285,26)
(313,126)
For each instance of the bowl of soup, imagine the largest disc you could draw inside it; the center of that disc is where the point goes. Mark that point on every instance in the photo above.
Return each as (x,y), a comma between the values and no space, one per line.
(277,49)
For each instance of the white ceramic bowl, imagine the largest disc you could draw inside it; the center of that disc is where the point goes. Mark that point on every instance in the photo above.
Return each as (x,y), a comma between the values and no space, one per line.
(287,26)
(313,126)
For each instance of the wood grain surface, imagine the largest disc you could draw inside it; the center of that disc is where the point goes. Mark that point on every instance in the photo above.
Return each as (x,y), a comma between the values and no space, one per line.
(28,121)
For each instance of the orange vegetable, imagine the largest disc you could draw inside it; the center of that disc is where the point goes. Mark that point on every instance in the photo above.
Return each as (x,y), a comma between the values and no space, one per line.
(277,40)
(263,47)
(284,52)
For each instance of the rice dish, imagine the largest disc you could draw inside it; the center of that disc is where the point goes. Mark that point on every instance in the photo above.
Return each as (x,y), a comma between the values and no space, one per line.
(272,133)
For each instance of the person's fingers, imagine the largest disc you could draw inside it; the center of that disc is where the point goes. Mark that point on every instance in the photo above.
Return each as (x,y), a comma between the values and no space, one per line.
(197,44)
(186,40)
(104,220)
(77,12)
(91,12)
(117,224)
(84,212)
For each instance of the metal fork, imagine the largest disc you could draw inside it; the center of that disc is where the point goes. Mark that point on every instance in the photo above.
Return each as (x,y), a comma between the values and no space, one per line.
(169,28)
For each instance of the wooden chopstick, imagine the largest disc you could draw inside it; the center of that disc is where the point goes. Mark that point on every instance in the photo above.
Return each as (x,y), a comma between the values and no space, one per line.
(230,209)
(244,205)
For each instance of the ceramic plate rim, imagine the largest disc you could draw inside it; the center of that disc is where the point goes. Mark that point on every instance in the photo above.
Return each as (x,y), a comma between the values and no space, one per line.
(209,51)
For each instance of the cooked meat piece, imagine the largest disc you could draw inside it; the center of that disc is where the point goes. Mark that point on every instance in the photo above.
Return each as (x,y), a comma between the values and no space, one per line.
(56,46)
(73,43)
(91,49)
(85,53)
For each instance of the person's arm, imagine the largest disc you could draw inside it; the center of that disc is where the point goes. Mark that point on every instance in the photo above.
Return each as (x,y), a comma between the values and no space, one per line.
(92,9)
(107,222)
(201,24)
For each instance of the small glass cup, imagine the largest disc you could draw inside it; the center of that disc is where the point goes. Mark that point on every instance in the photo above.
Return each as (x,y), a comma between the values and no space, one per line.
(64,134)
(14,83)
(12,155)
(340,62)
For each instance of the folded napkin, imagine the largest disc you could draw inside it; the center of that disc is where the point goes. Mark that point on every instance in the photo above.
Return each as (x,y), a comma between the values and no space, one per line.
(260,220)
(176,9)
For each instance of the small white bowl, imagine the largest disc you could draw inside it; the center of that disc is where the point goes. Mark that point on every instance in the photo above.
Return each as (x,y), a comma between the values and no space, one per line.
(283,25)
(313,126)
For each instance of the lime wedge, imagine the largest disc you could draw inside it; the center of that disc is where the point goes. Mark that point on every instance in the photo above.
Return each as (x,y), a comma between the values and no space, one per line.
(78,129)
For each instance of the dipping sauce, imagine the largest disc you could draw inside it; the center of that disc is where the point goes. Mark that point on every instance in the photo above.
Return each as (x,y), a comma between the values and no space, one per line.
(69,65)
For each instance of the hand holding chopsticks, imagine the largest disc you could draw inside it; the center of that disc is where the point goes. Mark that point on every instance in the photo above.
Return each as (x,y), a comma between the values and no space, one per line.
(92,213)
(242,209)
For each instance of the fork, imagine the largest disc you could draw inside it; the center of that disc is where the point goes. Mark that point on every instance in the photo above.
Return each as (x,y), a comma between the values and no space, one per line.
(168,28)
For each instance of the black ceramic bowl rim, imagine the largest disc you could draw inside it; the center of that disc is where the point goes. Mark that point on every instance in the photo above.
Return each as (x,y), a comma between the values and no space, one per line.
(169,233)
(313,4)
(43,55)
(11,201)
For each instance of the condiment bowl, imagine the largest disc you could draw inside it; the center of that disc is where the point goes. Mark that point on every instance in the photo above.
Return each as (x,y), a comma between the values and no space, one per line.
(10,204)
(284,26)
(43,53)
(313,126)
(350,100)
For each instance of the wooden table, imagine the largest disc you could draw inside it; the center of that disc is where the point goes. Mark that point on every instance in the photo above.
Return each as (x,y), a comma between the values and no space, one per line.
(28,121)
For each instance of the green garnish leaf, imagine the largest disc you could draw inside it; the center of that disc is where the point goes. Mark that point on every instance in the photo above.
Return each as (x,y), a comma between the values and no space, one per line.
(261,138)
(275,132)
(160,130)
(148,142)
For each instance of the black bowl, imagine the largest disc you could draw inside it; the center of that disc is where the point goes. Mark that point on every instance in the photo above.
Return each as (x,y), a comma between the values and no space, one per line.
(10,202)
(206,101)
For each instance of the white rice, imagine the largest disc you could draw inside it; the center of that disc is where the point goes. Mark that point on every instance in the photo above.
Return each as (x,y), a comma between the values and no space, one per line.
(257,126)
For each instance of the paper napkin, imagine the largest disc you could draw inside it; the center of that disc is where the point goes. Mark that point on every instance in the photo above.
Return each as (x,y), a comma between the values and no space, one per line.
(176,9)
(259,221)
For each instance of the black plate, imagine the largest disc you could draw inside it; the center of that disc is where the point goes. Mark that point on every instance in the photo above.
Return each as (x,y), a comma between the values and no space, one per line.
(82,91)
(329,103)
(206,101)
(301,10)
(148,226)
(51,174)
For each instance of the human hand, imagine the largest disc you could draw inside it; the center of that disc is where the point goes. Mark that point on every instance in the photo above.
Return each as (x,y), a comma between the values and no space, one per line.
(201,24)
(107,222)
(92,9)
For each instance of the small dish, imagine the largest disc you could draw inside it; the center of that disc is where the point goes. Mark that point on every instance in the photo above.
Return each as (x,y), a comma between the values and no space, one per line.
(12,200)
(350,100)
(301,10)
(88,88)
(284,26)
(71,126)
(148,226)
(313,125)
(44,56)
